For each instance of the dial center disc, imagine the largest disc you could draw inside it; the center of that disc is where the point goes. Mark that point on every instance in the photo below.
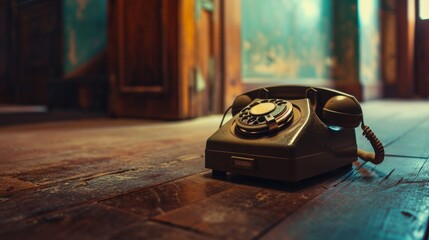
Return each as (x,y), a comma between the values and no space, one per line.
(262,108)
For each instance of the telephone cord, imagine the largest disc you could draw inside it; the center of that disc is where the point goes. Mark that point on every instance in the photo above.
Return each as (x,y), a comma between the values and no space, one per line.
(224,114)
(378,156)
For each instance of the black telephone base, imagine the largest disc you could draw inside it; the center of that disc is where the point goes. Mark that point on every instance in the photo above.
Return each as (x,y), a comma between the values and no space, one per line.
(302,148)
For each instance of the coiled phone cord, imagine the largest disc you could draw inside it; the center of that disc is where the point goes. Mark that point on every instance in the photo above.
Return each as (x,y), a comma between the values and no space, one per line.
(378,156)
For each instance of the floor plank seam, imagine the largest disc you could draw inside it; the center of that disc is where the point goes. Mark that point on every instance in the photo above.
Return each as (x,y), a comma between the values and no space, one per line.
(274,225)
(91,177)
(189,229)
(122,211)
(154,185)
(405,156)
(418,124)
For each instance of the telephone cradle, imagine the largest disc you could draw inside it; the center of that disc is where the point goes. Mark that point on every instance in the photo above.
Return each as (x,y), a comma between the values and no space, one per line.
(290,133)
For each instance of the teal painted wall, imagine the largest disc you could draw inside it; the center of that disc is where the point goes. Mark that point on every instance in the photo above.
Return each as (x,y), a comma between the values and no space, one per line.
(286,39)
(302,40)
(369,41)
(84,31)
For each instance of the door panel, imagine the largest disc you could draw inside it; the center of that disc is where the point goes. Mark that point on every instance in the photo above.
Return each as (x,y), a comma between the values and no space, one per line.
(143,55)
(142,45)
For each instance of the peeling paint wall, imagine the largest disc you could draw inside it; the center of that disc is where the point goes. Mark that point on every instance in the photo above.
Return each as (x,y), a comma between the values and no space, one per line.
(286,39)
(302,40)
(84,31)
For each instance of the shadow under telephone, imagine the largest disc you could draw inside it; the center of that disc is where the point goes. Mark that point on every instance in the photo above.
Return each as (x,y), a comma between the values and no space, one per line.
(290,133)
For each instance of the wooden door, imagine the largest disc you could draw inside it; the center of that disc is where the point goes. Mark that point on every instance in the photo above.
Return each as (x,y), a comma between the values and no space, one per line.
(162,59)
(422,50)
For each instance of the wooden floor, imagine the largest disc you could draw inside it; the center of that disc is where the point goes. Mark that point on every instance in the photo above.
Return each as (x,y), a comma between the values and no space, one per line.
(131,179)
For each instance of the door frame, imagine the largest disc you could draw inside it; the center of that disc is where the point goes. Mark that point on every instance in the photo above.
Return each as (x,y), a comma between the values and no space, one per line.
(188,43)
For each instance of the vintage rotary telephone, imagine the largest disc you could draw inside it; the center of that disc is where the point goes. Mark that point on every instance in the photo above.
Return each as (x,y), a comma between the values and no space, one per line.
(290,133)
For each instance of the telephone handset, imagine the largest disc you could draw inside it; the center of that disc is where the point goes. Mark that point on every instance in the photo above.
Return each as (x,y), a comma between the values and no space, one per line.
(304,130)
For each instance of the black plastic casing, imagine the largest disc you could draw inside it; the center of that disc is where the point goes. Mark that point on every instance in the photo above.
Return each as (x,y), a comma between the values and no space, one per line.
(305,148)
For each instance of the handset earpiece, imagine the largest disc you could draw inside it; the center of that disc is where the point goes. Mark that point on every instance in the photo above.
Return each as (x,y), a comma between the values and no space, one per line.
(344,111)
(239,103)
(243,100)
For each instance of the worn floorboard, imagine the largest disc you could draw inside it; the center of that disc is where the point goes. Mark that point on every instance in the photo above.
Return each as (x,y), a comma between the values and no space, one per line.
(388,201)
(95,221)
(247,209)
(132,179)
